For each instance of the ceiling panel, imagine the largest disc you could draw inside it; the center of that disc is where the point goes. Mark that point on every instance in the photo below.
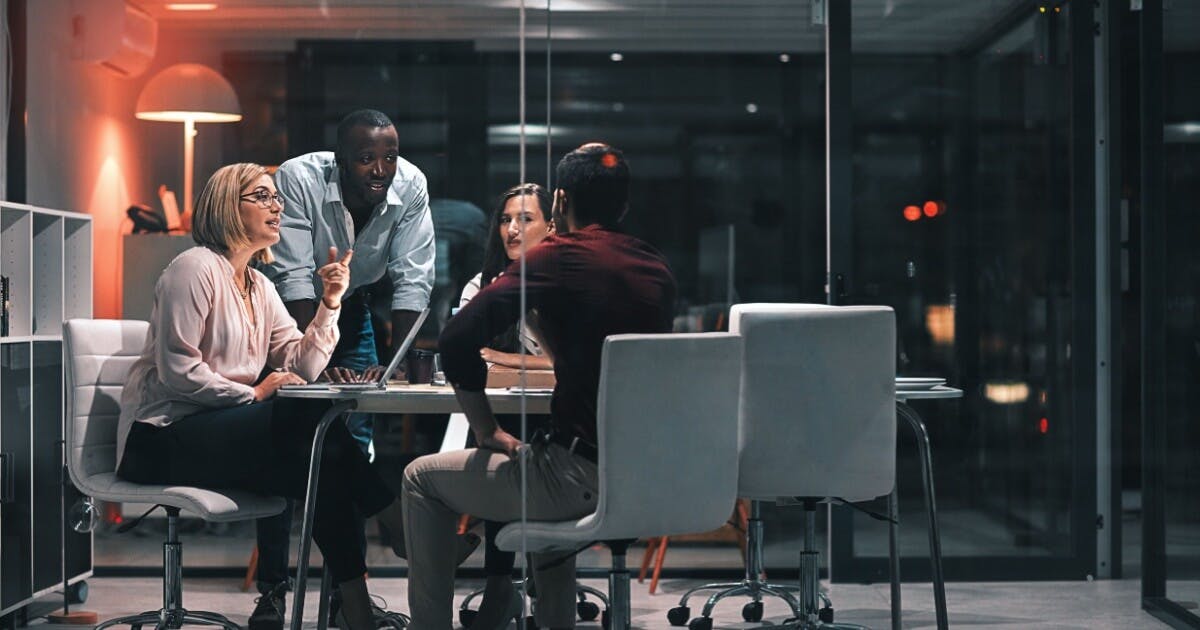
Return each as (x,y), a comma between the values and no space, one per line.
(913,26)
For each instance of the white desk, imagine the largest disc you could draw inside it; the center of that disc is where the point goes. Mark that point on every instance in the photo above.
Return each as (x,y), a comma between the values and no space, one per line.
(405,398)
(397,398)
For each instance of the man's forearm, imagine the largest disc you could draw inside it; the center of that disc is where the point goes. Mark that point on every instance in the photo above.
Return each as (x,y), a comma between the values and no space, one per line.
(402,322)
(478,410)
(303,311)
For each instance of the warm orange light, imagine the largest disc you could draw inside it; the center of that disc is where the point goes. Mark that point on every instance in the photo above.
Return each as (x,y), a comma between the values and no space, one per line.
(939,322)
(931,209)
(912,213)
(1006,392)
(191,6)
(1043,426)
(179,116)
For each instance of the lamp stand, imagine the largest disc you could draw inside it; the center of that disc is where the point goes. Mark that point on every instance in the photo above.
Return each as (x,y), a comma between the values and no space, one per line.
(189,153)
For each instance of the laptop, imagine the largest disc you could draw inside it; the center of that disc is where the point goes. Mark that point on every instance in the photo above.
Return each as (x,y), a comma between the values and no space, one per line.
(382,381)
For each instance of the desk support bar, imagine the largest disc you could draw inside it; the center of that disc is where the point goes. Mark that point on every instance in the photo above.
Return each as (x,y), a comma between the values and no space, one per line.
(935,546)
(310,507)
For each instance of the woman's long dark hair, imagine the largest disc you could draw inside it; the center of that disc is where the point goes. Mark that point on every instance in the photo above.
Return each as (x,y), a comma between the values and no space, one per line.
(495,259)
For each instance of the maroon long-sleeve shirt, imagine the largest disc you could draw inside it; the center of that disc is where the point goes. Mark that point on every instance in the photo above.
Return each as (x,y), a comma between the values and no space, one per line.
(585,285)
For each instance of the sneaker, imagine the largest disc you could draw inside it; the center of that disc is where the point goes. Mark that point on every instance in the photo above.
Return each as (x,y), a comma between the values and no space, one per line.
(270,609)
(384,618)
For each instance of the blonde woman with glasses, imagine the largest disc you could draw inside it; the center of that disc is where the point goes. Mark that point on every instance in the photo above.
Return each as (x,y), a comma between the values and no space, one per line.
(194,411)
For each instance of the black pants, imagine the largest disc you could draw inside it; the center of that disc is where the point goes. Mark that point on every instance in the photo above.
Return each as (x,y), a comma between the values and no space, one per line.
(355,350)
(265,447)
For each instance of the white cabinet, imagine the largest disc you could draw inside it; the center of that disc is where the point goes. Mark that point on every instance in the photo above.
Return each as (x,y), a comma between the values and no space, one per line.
(46,255)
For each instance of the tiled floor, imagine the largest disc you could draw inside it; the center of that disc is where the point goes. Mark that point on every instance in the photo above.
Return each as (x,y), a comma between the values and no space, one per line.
(1083,605)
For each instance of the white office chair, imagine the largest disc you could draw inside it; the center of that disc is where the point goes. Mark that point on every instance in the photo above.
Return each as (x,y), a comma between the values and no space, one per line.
(817,421)
(667,424)
(99,354)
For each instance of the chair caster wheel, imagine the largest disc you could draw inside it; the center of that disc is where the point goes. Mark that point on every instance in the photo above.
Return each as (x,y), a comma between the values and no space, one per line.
(825,615)
(752,611)
(466,617)
(77,593)
(679,615)
(700,623)
(530,623)
(588,611)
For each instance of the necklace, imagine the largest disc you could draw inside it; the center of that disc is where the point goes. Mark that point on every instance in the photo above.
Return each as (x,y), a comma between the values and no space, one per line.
(245,293)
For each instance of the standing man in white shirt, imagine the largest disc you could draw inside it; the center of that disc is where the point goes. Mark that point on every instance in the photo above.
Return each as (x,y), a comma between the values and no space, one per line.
(362,196)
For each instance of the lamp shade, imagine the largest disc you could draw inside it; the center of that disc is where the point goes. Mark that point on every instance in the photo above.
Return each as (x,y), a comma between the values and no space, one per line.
(188,91)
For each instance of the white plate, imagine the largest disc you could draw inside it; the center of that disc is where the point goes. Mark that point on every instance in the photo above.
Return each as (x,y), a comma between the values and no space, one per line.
(917,383)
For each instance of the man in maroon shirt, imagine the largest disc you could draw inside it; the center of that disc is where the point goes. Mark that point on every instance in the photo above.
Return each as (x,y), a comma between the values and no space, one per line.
(586,283)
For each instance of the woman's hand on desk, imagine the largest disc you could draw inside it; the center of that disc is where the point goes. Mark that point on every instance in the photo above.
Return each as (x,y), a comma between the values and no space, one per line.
(513,360)
(266,387)
(335,278)
(500,440)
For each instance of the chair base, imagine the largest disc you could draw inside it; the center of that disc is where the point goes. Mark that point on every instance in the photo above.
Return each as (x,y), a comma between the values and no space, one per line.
(816,625)
(584,609)
(752,611)
(172,615)
(171,619)
(754,586)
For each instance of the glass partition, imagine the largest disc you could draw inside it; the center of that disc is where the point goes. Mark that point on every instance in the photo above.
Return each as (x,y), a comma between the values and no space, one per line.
(963,222)
(1180,472)
(962,219)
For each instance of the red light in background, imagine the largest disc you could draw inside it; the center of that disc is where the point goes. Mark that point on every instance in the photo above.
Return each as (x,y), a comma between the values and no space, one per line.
(912,213)
(1043,426)
(932,209)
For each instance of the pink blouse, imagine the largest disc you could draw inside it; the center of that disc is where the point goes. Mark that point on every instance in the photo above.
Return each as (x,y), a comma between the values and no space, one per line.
(204,352)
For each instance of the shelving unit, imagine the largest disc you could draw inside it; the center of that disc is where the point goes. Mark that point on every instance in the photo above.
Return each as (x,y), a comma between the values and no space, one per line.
(47,256)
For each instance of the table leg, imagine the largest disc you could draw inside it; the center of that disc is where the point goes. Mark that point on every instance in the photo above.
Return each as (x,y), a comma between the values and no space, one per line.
(310,507)
(894,556)
(935,546)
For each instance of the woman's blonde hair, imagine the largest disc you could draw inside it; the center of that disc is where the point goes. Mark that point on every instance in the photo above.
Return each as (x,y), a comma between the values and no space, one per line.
(217,222)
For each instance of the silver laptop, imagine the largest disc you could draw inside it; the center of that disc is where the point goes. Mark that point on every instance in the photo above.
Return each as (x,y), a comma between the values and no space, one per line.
(380,383)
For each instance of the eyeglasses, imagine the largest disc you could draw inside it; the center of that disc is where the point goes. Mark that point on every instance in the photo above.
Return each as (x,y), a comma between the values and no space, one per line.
(263,199)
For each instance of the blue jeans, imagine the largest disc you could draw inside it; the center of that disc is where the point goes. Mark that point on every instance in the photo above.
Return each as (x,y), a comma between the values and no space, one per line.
(355,350)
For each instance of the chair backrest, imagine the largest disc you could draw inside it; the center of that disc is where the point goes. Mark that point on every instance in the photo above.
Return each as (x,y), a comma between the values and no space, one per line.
(667,423)
(817,413)
(99,355)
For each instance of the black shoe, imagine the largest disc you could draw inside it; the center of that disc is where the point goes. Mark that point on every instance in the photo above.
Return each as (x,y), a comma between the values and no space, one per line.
(270,609)
(384,619)
(335,609)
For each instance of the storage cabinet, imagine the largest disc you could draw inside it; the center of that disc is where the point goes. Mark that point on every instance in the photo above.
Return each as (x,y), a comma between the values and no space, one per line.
(46,256)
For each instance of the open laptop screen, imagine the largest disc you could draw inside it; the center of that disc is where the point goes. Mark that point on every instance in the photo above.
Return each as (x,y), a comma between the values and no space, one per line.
(392,366)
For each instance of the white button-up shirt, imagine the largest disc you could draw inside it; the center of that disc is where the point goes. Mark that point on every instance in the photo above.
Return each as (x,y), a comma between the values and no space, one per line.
(398,237)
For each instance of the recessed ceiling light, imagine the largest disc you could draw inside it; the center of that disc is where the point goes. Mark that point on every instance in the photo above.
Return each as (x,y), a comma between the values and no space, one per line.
(191,6)
(784,58)
(616,56)
(751,108)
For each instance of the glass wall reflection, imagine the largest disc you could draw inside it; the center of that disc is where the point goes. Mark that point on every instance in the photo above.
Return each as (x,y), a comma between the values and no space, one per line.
(1181,164)
(962,224)
(960,201)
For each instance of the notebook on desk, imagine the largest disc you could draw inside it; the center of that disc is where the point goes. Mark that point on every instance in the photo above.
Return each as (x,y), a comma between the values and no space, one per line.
(382,381)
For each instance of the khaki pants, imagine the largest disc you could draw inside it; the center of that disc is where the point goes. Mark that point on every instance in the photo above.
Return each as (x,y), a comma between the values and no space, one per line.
(486,484)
